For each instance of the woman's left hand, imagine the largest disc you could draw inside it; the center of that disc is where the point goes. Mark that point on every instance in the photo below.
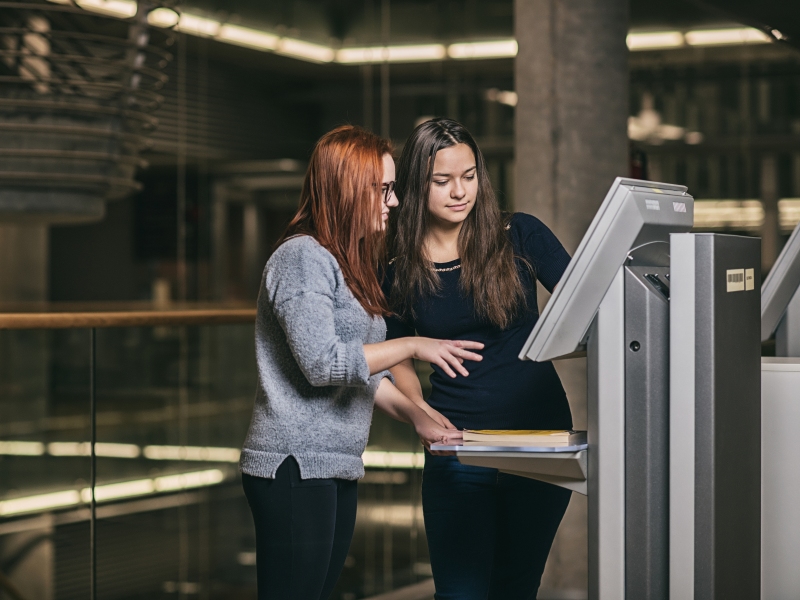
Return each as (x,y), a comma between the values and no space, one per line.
(438,417)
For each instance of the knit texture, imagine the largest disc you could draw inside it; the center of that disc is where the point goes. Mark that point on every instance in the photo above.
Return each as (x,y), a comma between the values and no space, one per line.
(315,394)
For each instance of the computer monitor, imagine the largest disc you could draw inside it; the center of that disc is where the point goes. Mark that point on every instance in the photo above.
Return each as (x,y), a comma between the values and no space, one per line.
(780,286)
(634,213)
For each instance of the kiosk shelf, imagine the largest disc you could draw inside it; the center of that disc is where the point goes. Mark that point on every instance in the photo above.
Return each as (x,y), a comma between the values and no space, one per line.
(565,466)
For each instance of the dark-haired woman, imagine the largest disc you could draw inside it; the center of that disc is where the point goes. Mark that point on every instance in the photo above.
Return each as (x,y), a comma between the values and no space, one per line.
(462,270)
(322,361)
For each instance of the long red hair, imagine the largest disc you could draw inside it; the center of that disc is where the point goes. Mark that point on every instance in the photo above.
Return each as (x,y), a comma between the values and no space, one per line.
(340,208)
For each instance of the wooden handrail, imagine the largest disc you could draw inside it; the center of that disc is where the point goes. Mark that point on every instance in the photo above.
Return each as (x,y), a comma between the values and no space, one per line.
(134,314)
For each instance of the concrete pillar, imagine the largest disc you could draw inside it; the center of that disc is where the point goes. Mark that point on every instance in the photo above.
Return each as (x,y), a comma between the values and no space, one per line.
(571,79)
(571,118)
(771,229)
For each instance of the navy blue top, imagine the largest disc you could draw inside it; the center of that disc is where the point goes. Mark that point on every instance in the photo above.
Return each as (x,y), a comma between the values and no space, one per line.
(502,391)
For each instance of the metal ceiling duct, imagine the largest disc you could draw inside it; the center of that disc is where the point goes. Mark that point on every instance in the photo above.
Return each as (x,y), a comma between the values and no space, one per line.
(76,93)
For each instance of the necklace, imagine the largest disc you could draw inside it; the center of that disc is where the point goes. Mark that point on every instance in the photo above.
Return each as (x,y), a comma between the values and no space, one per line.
(448,269)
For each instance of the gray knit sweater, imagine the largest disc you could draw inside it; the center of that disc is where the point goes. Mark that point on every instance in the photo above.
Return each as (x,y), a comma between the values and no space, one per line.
(315,394)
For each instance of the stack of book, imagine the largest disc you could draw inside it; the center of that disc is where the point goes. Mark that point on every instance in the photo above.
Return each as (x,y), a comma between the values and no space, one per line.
(524,437)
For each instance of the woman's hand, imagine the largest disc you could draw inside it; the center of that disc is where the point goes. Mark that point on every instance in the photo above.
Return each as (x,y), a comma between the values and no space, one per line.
(437,417)
(446,354)
(430,432)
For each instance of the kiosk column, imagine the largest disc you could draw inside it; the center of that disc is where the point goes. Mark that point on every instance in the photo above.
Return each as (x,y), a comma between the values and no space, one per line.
(715,417)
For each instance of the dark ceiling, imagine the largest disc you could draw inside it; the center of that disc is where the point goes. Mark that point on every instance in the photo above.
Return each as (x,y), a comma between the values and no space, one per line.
(359,22)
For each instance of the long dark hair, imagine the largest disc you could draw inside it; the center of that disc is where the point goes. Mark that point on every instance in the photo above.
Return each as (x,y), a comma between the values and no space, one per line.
(340,207)
(488,271)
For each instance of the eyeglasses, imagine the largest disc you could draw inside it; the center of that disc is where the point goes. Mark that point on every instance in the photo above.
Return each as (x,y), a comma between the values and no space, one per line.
(387,189)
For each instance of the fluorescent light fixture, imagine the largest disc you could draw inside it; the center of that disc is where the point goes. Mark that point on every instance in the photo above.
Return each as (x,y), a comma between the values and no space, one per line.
(728,214)
(69,449)
(654,40)
(115,491)
(416,53)
(372,458)
(777,34)
(488,49)
(109,450)
(183,481)
(502,96)
(393,460)
(112,491)
(401,515)
(305,50)
(22,448)
(249,38)
(377,54)
(163,17)
(789,211)
(195,453)
(197,25)
(360,55)
(718,37)
(39,502)
(123,9)
(745,215)
(117,450)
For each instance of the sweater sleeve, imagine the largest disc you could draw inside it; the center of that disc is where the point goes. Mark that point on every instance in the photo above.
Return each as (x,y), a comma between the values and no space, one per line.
(301,283)
(542,247)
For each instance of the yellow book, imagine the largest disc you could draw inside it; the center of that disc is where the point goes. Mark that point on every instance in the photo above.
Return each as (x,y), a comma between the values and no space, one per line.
(524,437)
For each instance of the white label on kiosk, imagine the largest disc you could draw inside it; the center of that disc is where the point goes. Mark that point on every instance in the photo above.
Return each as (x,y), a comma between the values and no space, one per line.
(735,280)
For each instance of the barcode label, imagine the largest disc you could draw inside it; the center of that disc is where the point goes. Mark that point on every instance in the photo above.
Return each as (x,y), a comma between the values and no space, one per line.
(735,280)
(652,204)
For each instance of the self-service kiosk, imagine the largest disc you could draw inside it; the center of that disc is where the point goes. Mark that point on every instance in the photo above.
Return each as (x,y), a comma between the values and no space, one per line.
(613,303)
(780,423)
(617,302)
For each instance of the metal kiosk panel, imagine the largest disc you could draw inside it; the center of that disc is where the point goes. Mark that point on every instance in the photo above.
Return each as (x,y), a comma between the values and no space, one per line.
(715,418)
(780,300)
(634,214)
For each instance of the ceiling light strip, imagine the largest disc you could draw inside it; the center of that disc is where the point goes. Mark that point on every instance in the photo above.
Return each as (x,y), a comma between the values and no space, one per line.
(113,491)
(371,458)
(489,49)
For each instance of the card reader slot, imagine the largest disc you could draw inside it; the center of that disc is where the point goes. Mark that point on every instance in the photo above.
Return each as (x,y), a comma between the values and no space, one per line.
(658,283)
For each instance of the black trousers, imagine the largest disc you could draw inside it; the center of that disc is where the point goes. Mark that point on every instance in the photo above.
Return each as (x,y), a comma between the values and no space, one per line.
(489,533)
(303,532)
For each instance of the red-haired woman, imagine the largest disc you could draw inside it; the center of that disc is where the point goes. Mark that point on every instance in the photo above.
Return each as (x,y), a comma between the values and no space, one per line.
(322,363)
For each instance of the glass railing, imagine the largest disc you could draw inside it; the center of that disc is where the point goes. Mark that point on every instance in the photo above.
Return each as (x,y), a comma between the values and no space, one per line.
(120,430)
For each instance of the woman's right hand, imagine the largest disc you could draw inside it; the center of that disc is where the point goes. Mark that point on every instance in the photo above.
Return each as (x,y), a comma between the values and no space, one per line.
(430,432)
(448,355)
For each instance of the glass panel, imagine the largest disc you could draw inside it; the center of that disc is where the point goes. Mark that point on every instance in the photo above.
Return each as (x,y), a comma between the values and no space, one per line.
(173,407)
(174,404)
(44,474)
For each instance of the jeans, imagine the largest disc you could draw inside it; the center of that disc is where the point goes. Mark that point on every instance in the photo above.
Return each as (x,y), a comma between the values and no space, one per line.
(303,532)
(489,533)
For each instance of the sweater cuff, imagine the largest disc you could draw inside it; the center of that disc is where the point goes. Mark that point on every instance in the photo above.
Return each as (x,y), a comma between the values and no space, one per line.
(388,376)
(350,367)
